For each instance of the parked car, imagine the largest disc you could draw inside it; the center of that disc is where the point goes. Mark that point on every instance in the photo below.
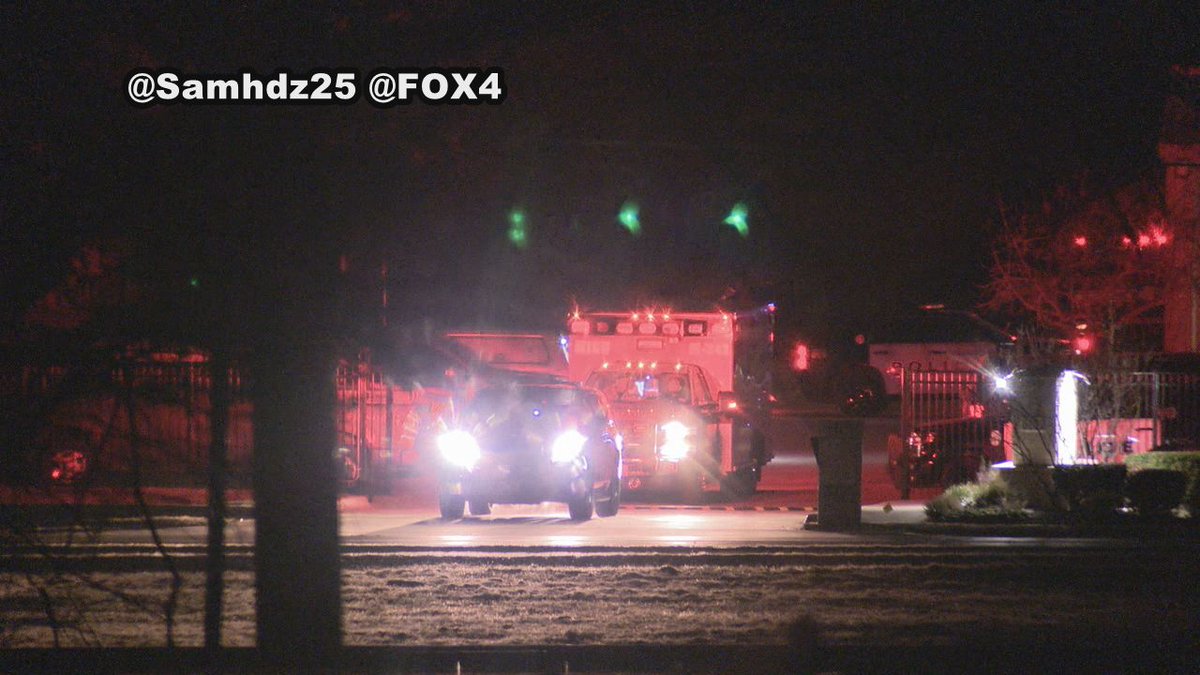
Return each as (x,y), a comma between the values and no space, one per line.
(526,443)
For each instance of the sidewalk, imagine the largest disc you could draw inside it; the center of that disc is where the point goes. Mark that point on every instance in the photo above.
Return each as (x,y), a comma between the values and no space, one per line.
(884,517)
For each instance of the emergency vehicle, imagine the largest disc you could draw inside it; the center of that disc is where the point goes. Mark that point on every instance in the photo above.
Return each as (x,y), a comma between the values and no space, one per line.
(688,392)
(389,416)
(892,359)
(521,353)
(936,339)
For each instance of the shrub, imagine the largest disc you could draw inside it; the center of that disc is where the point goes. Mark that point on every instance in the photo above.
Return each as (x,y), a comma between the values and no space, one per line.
(1091,489)
(989,500)
(1155,492)
(1186,462)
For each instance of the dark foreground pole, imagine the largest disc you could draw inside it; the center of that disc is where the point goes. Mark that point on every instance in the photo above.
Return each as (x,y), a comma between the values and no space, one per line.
(297,566)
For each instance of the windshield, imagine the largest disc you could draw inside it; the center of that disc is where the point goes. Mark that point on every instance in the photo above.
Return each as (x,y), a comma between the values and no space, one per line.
(502,401)
(641,386)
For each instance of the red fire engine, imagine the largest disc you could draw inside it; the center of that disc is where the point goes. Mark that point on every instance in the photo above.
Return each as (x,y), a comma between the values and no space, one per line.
(688,392)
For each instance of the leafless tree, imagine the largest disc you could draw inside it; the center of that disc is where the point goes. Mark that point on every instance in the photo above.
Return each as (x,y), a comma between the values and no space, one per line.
(1085,264)
(1088,272)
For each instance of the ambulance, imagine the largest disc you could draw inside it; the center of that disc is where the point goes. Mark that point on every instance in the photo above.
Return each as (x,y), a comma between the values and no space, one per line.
(689,393)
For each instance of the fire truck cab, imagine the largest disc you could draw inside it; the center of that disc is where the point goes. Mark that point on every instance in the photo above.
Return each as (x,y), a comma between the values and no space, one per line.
(688,393)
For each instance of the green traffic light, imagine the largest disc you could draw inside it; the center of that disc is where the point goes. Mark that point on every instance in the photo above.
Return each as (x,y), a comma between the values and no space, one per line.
(194,282)
(739,219)
(629,218)
(517,233)
(518,237)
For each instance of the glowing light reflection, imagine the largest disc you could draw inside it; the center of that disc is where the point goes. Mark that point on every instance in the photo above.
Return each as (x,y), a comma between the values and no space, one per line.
(565,540)
(1067,418)
(680,521)
(677,541)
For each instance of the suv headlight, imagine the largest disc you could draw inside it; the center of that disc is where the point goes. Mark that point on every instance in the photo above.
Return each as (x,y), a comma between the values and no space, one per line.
(567,447)
(459,448)
(674,441)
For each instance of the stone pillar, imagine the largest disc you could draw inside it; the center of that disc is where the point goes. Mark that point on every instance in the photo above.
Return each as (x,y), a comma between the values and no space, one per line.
(838,449)
(1179,151)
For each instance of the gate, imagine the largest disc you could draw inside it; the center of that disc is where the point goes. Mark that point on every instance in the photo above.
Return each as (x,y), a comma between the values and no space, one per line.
(379,425)
(948,429)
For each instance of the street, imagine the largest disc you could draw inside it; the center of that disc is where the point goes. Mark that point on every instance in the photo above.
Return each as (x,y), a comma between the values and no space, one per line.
(794,468)
(774,516)
(729,574)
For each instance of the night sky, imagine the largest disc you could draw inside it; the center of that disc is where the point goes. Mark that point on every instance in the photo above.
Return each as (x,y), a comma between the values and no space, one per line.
(870,143)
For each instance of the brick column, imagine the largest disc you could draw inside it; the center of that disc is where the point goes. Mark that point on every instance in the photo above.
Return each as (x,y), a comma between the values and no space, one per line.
(1179,151)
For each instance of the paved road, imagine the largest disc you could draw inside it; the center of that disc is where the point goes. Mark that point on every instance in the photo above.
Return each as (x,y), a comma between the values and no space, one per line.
(795,468)
(774,516)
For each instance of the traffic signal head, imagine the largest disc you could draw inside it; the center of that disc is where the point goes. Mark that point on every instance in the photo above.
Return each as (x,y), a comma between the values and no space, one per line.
(739,219)
(517,234)
(628,217)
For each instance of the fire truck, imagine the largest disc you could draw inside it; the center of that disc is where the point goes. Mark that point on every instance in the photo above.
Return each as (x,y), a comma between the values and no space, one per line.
(689,393)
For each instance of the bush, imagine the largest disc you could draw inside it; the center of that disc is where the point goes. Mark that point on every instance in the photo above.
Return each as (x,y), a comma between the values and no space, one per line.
(1091,489)
(989,500)
(1186,462)
(1155,492)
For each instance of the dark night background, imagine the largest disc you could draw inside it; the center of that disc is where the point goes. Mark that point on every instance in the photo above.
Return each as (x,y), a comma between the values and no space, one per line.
(871,143)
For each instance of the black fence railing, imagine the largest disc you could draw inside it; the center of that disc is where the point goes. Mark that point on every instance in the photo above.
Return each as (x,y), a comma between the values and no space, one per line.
(952,421)
(100,414)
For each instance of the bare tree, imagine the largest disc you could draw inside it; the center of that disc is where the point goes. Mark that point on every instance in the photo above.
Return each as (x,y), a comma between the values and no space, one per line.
(85,408)
(1084,264)
(1089,274)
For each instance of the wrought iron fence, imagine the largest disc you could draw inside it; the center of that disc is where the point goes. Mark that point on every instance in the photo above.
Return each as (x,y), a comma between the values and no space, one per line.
(950,425)
(951,418)
(1125,412)
(102,412)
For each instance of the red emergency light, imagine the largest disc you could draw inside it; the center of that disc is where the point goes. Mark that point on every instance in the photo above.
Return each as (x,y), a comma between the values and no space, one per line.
(800,357)
(1082,344)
